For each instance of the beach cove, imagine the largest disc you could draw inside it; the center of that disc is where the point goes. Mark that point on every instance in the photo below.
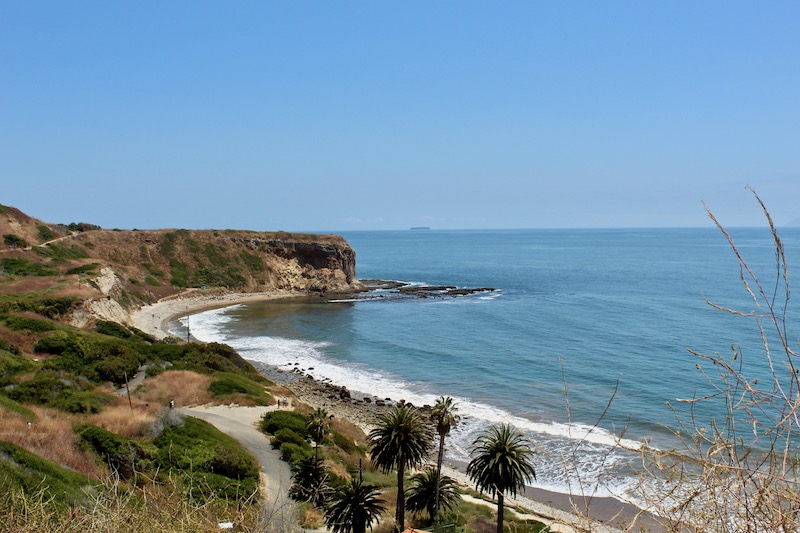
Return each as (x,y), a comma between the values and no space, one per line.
(561,511)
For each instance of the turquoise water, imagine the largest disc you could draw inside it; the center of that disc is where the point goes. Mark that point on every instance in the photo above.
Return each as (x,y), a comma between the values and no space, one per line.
(597,309)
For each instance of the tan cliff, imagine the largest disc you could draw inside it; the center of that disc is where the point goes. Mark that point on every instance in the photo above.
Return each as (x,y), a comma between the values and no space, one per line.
(114,272)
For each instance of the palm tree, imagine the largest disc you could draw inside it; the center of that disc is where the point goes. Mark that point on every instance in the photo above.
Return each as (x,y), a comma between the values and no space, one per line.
(423,496)
(318,427)
(445,417)
(502,462)
(353,507)
(310,482)
(401,440)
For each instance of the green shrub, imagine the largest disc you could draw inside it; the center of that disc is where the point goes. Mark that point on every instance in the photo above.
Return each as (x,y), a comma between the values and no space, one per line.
(91,268)
(236,384)
(23,323)
(57,252)
(113,329)
(272,421)
(22,470)
(232,463)
(12,364)
(116,369)
(17,408)
(61,342)
(180,273)
(205,486)
(22,267)
(253,262)
(45,387)
(345,444)
(45,233)
(82,226)
(9,347)
(11,240)
(83,402)
(287,435)
(50,307)
(293,454)
(205,456)
(150,280)
(124,456)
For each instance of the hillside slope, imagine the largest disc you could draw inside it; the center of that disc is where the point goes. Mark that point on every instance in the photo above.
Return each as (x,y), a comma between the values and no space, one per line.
(113,272)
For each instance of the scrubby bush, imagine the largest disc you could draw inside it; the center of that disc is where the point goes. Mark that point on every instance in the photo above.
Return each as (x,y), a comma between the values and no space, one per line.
(12,364)
(25,471)
(9,347)
(49,307)
(124,456)
(229,384)
(273,421)
(59,343)
(112,329)
(12,240)
(61,253)
(83,402)
(287,435)
(45,233)
(22,267)
(293,454)
(24,323)
(212,462)
(91,268)
(165,418)
(345,444)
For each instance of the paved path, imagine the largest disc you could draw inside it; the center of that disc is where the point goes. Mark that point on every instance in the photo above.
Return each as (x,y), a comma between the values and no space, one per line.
(280,512)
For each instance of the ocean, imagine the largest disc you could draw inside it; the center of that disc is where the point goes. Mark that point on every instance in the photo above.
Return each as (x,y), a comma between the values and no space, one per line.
(577,317)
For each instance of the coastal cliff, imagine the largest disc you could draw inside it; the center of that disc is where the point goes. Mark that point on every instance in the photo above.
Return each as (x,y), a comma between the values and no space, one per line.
(114,272)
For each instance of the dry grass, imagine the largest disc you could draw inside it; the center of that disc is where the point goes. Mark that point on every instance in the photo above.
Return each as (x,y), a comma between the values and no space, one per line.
(186,388)
(50,436)
(118,508)
(123,420)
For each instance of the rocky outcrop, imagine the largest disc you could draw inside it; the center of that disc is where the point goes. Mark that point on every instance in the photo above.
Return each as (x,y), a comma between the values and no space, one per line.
(317,255)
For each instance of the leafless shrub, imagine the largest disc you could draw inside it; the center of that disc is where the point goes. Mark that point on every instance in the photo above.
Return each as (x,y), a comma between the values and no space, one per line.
(738,472)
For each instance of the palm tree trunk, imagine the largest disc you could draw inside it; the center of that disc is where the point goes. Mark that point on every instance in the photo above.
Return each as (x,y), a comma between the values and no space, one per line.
(400,515)
(438,477)
(500,512)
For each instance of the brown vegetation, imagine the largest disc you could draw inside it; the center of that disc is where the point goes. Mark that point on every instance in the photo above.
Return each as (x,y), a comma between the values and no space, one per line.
(50,435)
(186,388)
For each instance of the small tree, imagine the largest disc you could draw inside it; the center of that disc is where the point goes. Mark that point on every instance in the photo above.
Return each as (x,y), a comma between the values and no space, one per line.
(502,462)
(354,507)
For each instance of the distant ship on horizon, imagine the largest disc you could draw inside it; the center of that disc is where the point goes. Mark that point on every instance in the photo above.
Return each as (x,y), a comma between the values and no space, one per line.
(415,228)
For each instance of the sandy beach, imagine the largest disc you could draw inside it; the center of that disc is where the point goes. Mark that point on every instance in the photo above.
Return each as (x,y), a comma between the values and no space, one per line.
(568,512)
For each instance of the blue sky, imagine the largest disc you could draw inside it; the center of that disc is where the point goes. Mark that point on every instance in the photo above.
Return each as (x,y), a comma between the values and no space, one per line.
(376,115)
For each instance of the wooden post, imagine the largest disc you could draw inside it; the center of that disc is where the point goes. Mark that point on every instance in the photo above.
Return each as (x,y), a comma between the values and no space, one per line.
(128,388)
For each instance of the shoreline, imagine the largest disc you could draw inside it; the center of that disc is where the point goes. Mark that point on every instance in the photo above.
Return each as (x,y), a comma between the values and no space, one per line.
(607,513)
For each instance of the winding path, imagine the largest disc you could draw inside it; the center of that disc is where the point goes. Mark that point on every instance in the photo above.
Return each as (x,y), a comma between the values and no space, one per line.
(280,512)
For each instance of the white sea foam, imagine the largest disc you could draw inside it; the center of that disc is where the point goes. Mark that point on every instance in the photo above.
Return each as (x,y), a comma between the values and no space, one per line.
(562,449)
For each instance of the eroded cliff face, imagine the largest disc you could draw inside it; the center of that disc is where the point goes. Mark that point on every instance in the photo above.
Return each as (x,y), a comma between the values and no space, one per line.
(317,255)
(153,264)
